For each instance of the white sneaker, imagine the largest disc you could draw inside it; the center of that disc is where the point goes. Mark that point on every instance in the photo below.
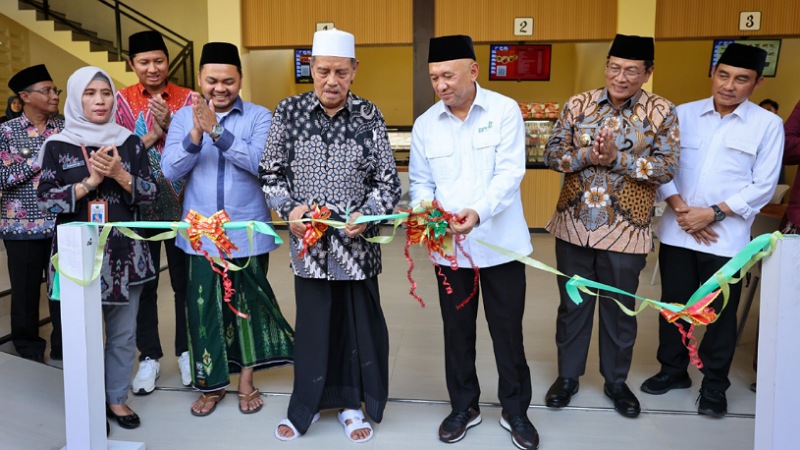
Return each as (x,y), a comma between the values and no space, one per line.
(185,368)
(145,380)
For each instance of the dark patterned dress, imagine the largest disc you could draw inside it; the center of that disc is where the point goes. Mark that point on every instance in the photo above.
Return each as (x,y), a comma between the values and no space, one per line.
(126,261)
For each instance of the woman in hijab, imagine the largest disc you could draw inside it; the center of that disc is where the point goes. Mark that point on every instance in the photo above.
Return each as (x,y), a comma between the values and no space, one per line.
(13,110)
(96,170)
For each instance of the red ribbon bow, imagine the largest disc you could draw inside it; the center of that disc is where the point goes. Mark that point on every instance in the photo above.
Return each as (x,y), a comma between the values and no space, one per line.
(211,227)
(428,228)
(698,314)
(314,229)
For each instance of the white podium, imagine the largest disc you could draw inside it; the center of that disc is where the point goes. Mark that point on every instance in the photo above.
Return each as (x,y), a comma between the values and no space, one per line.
(778,340)
(82,330)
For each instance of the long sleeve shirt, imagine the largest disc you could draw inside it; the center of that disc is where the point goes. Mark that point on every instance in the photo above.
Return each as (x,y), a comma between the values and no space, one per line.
(343,162)
(477,163)
(126,262)
(610,208)
(223,174)
(133,113)
(791,157)
(20,217)
(733,159)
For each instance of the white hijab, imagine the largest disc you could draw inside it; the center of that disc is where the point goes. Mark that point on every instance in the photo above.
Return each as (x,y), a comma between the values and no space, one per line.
(77,128)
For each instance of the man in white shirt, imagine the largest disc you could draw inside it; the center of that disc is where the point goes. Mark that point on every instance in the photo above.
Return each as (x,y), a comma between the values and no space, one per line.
(730,158)
(468,152)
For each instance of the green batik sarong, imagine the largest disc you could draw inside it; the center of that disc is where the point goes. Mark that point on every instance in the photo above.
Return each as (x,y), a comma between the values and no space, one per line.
(220,342)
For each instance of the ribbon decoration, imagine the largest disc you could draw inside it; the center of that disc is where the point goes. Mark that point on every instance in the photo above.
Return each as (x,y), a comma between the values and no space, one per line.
(211,227)
(315,229)
(698,314)
(427,225)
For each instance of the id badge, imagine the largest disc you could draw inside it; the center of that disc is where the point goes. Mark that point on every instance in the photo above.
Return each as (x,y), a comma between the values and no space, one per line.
(98,211)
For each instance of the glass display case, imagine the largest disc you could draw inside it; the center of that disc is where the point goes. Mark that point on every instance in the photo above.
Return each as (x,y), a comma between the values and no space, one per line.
(537,132)
(400,141)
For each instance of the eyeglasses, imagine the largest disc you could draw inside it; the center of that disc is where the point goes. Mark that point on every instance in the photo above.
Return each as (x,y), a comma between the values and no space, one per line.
(48,91)
(629,73)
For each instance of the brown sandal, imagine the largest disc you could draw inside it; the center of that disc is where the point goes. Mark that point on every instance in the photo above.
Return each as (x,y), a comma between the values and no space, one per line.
(247,398)
(205,398)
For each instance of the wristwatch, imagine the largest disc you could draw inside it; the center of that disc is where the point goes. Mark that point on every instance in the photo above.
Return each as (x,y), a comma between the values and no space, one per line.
(216,131)
(719,216)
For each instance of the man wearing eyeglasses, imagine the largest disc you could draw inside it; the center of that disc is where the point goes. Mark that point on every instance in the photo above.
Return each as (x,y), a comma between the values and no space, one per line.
(615,145)
(26,231)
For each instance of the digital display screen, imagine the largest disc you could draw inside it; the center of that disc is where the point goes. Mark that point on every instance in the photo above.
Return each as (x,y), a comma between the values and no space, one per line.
(302,66)
(519,62)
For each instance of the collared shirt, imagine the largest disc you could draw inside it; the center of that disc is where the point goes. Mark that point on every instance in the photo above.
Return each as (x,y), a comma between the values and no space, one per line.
(610,208)
(343,162)
(20,217)
(223,174)
(133,113)
(477,163)
(733,159)
(791,157)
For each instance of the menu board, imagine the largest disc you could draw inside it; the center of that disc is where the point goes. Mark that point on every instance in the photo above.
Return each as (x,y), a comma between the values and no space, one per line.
(772,46)
(519,62)
(302,65)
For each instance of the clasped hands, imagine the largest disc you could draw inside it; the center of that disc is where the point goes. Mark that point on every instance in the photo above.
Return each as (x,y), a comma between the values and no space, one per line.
(106,162)
(697,222)
(204,118)
(604,149)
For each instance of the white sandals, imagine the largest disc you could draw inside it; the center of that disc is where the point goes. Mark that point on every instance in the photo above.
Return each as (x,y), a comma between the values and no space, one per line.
(288,423)
(357,422)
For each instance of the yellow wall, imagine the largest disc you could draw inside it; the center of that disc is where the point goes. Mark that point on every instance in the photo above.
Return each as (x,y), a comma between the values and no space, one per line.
(384,77)
(59,63)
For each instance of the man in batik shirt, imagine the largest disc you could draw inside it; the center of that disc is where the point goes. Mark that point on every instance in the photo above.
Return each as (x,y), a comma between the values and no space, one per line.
(330,147)
(615,146)
(146,109)
(26,231)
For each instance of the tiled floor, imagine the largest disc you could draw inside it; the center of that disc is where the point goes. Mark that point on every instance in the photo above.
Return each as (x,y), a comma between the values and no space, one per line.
(32,408)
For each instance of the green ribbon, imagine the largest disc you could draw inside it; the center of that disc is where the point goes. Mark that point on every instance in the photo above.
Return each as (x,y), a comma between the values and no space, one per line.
(754,251)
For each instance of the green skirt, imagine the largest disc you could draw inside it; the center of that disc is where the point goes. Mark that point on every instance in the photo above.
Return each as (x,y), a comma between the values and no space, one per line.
(220,342)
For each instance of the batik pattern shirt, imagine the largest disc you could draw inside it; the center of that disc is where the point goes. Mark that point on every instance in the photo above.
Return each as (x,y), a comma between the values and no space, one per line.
(133,113)
(343,162)
(610,208)
(126,262)
(20,218)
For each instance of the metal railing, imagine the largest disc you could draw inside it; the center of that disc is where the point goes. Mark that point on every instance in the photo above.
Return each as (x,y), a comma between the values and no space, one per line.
(113,39)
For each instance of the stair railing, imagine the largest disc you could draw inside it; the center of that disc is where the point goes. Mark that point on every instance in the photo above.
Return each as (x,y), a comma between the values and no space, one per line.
(181,66)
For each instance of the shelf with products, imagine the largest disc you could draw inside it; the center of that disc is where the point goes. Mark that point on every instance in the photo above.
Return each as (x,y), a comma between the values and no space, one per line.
(537,132)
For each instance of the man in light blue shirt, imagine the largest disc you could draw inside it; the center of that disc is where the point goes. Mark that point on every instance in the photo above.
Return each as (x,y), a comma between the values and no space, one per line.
(216,145)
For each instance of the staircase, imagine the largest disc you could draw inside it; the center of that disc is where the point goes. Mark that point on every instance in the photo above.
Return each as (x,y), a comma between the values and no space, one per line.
(93,49)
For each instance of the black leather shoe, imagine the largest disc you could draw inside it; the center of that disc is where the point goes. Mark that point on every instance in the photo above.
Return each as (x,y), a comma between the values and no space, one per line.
(561,392)
(661,383)
(129,422)
(625,402)
(454,427)
(712,403)
(523,433)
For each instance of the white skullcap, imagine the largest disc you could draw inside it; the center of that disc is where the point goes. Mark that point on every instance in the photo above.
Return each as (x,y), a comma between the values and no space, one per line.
(334,43)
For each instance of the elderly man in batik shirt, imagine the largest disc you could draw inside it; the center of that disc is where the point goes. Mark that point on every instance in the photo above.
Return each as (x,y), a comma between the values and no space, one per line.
(615,146)
(330,148)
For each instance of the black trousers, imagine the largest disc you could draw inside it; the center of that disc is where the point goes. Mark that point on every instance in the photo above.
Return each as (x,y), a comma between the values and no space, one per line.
(341,349)
(147,339)
(682,272)
(27,261)
(503,290)
(617,331)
